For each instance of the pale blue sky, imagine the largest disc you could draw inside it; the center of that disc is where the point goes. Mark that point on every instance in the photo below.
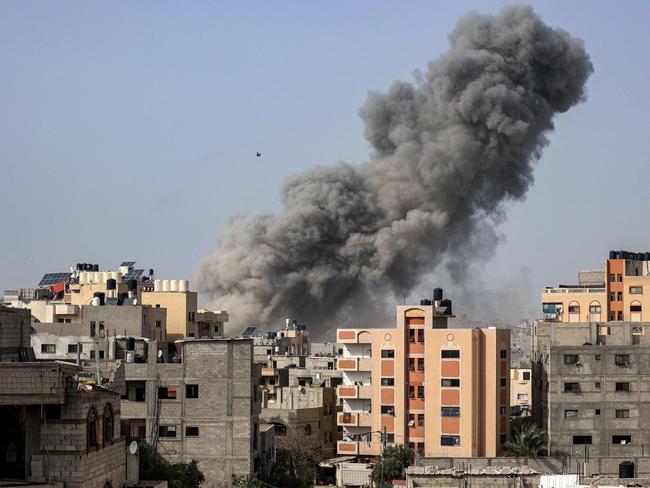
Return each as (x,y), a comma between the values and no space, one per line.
(128,130)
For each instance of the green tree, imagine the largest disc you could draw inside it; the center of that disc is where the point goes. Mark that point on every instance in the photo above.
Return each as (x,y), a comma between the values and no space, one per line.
(293,469)
(528,440)
(178,475)
(247,482)
(395,461)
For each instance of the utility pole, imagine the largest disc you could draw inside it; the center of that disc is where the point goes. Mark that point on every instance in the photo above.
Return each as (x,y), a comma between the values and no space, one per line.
(383,449)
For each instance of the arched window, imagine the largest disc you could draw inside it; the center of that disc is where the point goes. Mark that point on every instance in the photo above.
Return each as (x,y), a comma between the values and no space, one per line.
(635,306)
(92,425)
(574,307)
(109,430)
(308,429)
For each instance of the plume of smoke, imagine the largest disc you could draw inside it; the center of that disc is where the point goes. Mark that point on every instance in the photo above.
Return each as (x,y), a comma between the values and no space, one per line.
(447,151)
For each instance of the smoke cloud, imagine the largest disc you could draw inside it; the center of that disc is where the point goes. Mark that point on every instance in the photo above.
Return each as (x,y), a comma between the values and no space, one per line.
(447,151)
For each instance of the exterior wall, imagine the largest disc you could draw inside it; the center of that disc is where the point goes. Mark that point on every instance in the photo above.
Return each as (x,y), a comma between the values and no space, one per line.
(520,389)
(408,403)
(226,411)
(583,298)
(181,311)
(14,332)
(591,410)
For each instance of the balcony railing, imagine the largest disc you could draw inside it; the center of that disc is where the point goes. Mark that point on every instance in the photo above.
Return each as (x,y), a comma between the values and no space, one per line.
(362,392)
(354,364)
(354,419)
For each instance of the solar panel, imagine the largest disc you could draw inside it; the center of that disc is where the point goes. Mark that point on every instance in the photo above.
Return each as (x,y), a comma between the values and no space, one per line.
(249,331)
(50,279)
(128,263)
(134,274)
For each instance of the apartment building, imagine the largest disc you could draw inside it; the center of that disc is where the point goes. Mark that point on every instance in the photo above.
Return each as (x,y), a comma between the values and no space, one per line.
(443,392)
(620,291)
(197,399)
(520,392)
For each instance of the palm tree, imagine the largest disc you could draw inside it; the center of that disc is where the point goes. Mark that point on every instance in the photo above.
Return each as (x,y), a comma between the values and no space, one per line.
(527,441)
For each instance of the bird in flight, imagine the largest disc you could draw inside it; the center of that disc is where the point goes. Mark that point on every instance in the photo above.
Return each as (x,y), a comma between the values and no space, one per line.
(259,154)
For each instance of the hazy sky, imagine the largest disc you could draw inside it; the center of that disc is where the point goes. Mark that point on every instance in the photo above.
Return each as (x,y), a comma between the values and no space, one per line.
(128,130)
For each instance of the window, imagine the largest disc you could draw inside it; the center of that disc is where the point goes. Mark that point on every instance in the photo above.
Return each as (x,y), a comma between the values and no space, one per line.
(450,411)
(167,431)
(612,296)
(412,336)
(280,430)
(503,410)
(390,438)
(191,391)
(72,348)
(503,354)
(388,382)
(140,394)
(158,323)
(92,354)
(48,348)
(597,385)
(450,354)
(522,397)
(612,316)
(594,308)
(622,359)
(622,386)
(526,375)
(622,414)
(411,364)
(449,383)
(101,330)
(502,438)
(574,308)
(620,315)
(109,426)
(572,387)
(582,439)
(411,392)
(420,420)
(450,440)
(619,278)
(570,414)
(411,420)
(387,410)
(92,427)
(612,278)
(421,336)
(597,411)
(503,382)
(387,353)
(421,392)
(308,429)
(571,358)
(191,431)
(621,439)
(597,357)
(420,364)
(190,316)
(635,308)
(93,329)
(619,296)
(167,393)
(636,290)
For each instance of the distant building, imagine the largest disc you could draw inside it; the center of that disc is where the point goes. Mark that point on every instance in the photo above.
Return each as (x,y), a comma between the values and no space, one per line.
(443,392)
(520,392)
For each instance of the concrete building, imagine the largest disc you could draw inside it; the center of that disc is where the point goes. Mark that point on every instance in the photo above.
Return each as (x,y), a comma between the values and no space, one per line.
(14,335)
(520,392)
(203,404)
(385,372)
(94,331)
(591,374)
(303,417)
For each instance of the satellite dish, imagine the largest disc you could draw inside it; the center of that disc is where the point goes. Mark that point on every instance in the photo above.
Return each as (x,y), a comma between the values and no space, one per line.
(133,447)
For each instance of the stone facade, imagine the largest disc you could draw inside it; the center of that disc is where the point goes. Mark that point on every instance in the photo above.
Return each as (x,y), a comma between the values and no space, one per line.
(204,407)
(591,387)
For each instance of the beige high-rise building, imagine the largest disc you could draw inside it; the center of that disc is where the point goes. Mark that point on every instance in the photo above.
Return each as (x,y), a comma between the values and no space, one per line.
(443,392)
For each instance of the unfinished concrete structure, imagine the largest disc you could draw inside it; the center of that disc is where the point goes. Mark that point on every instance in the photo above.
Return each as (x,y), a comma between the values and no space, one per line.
(14,335)
(304,418)
(201,404)
(591,387)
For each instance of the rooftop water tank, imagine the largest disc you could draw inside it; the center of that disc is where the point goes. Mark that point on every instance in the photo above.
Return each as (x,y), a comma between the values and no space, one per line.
(173,285)
(183,286)
(165,285)
(626,469)
(437,294)
(111,284)
(157,285)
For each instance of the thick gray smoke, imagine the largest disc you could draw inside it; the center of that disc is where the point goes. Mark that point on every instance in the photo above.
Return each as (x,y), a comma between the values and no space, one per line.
(447,151)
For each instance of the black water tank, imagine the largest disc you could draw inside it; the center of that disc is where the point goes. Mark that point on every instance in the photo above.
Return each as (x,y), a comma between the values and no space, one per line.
(111,284)
(626,469)
(151,272)
(101,295)
(95,267)
(80,267)
(425,301)
(612,254)
(130,343)
(122,296)
(133,285)
(437,294)
(446,303)
(89,267)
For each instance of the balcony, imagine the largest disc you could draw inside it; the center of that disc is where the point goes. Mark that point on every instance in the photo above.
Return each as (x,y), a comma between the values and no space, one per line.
(353,336)
(354,364)
(354,419)
(361,448)
(65,309)
(360,392)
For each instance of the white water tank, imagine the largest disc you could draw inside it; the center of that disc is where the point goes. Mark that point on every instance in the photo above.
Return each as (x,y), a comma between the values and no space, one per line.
(103,276)
(173,285)
(95,276)
(157,285)
(124,269)
(82,278)
(183,286)
(96,302)
(165,285)
(130,356)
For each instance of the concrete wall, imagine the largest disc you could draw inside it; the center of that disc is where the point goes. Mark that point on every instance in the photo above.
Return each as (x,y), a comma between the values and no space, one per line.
(14,332)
